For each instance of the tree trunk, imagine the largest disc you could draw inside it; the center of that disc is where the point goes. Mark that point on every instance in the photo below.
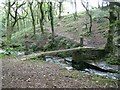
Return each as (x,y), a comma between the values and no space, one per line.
(18,26)
(90,27)
(75,14)
(109,45)
(118,40)
(24,23)
(42,17)
(60,9)
(89,14)
(8,30)
(118,33)
(51,19)
(33,19)
(37,18)
(98,3)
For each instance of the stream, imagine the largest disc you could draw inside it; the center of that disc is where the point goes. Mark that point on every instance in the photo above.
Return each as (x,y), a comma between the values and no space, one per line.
(2,51)
(64,62)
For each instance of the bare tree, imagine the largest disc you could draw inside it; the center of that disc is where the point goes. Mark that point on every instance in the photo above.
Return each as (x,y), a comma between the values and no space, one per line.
(75,14)
(13,12)
(32,15)
(85,5)
(60,9)
(41,16)
(8,19)
(51,18)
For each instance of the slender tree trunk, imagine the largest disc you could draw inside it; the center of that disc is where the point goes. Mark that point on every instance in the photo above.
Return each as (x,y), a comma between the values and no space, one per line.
(75,14)
(51,19)
(37,18)
(33,19)
(60,9)
(24,23)
(89,14)
(98,3)
(90,27)
(18,26)
(8,30)
(42,17)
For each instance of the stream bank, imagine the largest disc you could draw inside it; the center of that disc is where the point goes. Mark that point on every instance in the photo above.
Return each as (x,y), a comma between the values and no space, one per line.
(66,63)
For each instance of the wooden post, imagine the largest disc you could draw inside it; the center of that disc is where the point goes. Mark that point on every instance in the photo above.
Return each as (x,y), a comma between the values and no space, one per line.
(81,41)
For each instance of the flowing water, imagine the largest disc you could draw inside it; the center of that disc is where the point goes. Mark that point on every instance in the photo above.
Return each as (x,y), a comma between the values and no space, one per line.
(65,63)
(2,51)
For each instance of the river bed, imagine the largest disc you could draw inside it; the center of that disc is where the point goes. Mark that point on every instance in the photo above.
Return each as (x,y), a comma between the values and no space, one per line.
(64,62)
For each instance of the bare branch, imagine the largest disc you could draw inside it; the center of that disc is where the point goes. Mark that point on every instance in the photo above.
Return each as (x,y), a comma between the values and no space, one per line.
(21,5)
(12,15)
(12,4)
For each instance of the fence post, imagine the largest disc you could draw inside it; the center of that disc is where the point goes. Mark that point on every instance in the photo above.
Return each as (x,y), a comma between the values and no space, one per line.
(81,41)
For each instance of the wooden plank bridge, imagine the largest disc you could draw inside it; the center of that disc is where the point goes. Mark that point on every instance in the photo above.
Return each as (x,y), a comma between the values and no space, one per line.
(73,50)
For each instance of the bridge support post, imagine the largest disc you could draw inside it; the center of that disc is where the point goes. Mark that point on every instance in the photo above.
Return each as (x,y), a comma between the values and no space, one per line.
(77,57)
(77,60)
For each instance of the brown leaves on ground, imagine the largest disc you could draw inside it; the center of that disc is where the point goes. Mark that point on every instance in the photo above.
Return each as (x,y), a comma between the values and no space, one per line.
(37,74)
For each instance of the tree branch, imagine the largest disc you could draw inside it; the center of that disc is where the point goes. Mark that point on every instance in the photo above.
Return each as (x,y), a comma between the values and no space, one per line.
(12,15)
(12,4)
(21,5)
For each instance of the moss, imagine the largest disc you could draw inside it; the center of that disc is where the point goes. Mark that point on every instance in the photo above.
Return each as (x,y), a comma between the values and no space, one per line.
(111,59)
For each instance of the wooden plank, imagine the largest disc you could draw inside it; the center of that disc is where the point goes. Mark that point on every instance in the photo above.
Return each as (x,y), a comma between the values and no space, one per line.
(57,51)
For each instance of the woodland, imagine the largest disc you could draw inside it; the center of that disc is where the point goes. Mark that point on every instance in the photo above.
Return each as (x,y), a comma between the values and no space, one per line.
(55,44)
